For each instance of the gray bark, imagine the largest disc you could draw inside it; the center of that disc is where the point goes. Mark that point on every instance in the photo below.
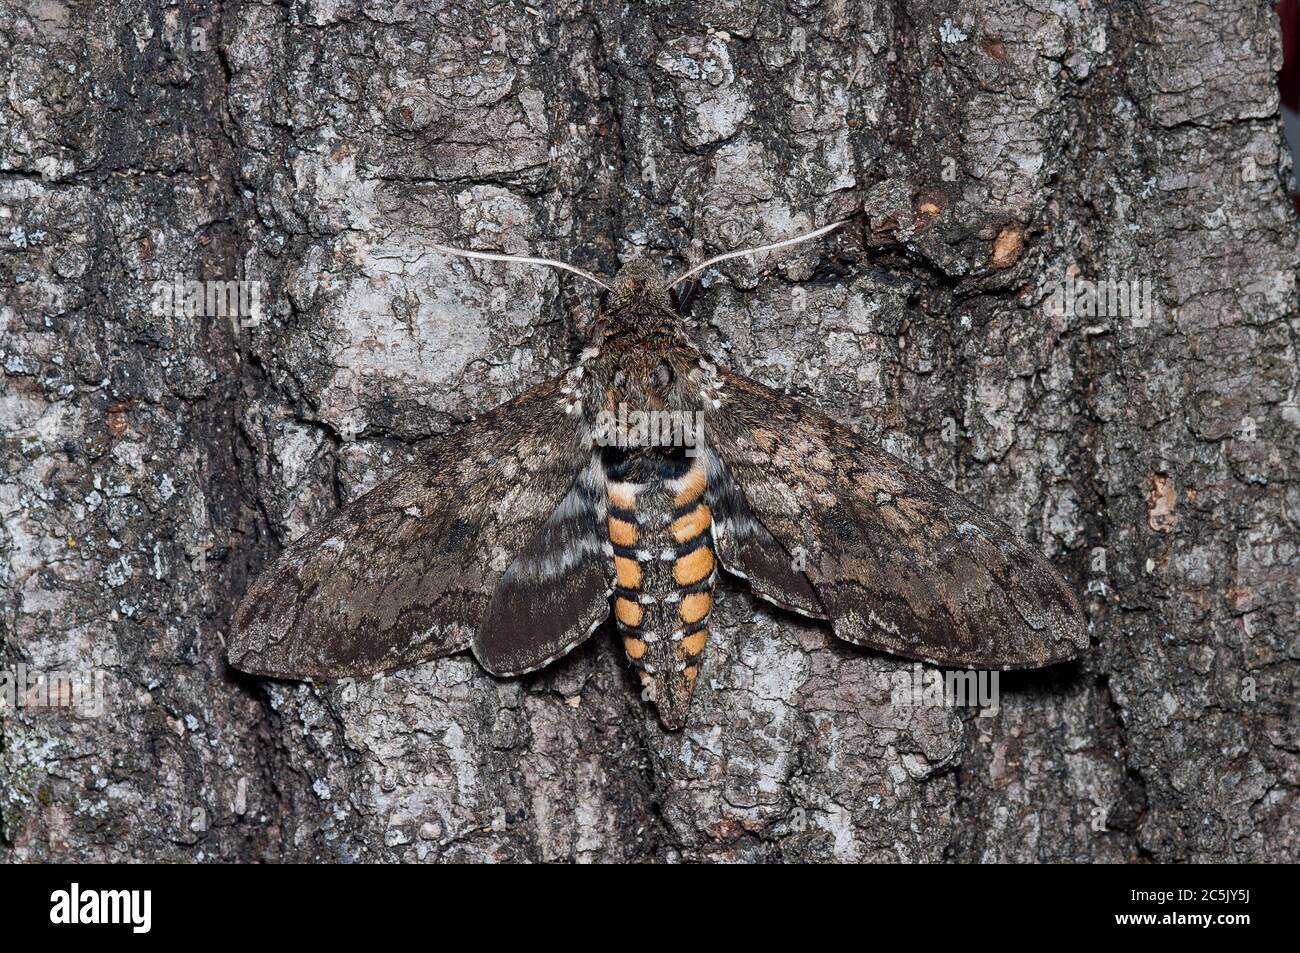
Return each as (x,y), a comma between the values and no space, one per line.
(319,147)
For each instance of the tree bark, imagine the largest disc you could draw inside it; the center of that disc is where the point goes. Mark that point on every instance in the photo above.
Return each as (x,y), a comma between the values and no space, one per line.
(152,465)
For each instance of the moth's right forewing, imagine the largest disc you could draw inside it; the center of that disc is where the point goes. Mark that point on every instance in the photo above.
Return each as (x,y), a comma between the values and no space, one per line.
(406,572)
(898,561)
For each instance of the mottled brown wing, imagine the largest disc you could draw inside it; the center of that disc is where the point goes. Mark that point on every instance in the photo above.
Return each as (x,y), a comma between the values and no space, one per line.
(898,562)
(407,572)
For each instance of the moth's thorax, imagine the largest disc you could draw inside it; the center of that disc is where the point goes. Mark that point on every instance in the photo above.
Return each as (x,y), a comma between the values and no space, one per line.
(644,369)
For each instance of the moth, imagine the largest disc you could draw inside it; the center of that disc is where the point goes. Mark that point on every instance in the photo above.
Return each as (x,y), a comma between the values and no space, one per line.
(514,537)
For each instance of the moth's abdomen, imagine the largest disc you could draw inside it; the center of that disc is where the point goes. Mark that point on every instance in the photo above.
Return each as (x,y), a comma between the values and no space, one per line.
(660,531)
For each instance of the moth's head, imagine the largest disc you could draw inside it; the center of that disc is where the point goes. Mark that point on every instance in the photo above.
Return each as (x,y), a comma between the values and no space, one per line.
(640,286)
(640,290)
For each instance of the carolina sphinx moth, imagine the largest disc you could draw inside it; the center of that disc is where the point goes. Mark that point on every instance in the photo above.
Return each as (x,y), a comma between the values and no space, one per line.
(514,538)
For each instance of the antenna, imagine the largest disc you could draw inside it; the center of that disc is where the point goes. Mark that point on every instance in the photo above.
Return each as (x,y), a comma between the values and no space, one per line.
(522,260)
(786,243)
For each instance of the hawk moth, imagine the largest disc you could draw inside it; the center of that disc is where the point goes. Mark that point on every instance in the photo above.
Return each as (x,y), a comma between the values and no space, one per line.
(514,537)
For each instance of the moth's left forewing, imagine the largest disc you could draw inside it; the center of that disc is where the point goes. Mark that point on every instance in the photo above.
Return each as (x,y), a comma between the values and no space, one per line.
(408,571)
(897,561)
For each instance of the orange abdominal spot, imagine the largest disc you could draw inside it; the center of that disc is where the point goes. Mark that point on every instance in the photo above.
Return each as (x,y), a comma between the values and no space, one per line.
(693,644)
(693,567)
(634,648)
(695,606)
(691,672)
(692,485)
(628,572)
(621,533)
(621,498)
(629,612)
(692,524)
